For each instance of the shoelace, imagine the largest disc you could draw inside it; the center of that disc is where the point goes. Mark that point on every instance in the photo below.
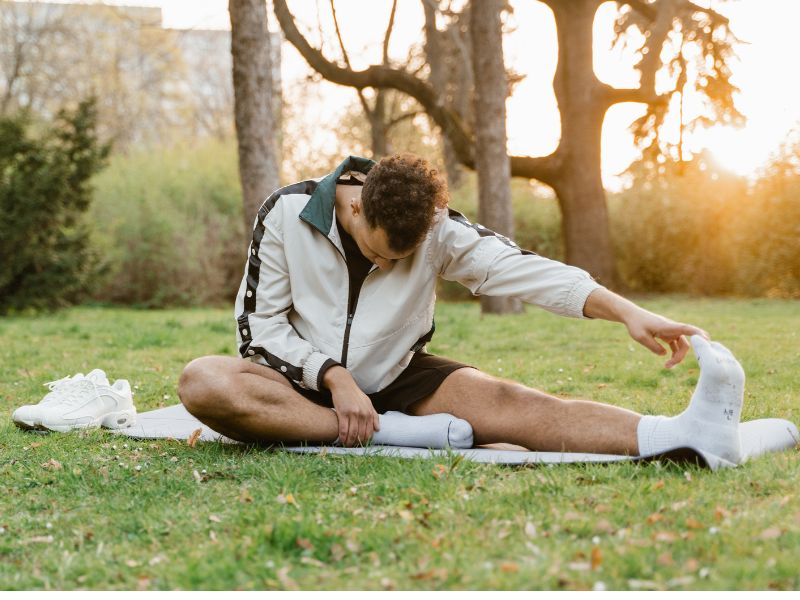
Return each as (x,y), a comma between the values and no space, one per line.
(79,392)
(56,388)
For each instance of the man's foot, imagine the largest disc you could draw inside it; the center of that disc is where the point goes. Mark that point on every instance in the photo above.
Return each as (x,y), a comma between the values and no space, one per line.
(429,431)
(711,421)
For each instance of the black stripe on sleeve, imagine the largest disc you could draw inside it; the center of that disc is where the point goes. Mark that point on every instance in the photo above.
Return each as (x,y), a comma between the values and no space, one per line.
(484,232)
(253,273)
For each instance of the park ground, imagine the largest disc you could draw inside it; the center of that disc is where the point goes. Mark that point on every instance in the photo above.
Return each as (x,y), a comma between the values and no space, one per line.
(93,510)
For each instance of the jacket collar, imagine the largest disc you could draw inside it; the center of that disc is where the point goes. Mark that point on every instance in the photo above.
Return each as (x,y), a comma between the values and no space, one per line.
(318,211)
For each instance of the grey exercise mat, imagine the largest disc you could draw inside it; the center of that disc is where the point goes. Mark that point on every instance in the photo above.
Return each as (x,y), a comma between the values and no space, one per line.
(758,437)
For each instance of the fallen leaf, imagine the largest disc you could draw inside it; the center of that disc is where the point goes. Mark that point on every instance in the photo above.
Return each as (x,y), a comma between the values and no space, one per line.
(142,583)
(679,505)
(430,574)
(197,476)
(655,518)
(286,581)
(658,485)
(665,536)
(131,563)
(691,565)
(597,558)
(35,444)
(603,526)
(642,584)
(720,513)
(337,552)
(308,560)
(159,558)
(192,439)
(304,543)
(665,560)
(771,533)
(244,496)
(694,524)
(509,567)
(214,519)
(40,539)
(579,566)
(406,515)
(52,465)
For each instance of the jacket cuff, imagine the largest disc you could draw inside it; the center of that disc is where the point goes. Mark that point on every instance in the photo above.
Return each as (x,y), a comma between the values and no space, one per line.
(576,299)
(324,369)
(313,370)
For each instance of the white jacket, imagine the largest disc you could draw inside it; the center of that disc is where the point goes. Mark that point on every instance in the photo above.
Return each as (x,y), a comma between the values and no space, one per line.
(291,308)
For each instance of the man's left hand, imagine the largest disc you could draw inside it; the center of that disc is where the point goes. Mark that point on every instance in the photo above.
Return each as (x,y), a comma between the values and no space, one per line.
(647,328)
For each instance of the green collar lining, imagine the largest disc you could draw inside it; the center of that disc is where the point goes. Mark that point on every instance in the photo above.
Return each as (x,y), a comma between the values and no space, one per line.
(318,211)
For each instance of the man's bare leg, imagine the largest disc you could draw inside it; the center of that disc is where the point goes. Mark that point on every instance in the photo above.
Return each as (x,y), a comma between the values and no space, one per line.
(250,402)
(506,411)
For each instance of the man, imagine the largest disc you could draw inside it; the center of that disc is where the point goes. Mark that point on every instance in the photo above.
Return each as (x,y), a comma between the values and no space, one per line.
(337,303)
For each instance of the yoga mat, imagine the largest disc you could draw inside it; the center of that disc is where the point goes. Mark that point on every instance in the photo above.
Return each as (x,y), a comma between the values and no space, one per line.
(758,437)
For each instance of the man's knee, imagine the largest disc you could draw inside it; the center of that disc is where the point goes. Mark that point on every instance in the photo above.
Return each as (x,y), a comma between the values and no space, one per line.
(201,382)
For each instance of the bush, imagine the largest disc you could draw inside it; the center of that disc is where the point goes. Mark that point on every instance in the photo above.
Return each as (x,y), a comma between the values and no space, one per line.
(169,226)
(44,195)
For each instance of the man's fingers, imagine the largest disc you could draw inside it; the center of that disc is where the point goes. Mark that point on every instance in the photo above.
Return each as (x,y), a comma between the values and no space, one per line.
(688,330)
(343,429)
(679,349)
(364,429)
(376,421)
(651,344)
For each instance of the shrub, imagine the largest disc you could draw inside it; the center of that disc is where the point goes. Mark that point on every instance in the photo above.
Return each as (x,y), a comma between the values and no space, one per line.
(169,226)
(44,195)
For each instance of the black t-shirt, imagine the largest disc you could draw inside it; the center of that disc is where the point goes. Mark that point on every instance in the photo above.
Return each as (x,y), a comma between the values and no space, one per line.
(357,264)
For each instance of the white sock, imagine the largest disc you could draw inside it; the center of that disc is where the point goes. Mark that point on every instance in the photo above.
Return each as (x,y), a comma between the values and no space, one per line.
(429,431)
(711,421)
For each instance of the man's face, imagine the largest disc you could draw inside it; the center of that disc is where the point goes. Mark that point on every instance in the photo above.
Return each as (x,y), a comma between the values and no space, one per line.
(374,245)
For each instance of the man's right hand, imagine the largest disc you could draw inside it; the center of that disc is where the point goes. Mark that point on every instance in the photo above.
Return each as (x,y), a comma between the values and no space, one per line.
(358,419)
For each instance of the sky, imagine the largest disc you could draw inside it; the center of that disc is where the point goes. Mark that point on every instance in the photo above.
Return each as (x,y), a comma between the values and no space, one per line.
(769,97)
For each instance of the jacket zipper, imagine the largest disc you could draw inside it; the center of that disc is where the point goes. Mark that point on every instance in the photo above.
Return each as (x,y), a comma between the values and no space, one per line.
(351,312)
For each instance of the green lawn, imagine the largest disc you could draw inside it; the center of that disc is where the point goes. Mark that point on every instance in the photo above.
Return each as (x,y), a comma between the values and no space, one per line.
(93,510)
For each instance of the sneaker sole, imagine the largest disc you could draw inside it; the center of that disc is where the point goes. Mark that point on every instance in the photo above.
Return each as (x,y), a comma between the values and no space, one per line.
(27,425)
(116,420)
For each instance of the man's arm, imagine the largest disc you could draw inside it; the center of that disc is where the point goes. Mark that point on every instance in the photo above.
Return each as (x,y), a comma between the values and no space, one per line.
(643,326)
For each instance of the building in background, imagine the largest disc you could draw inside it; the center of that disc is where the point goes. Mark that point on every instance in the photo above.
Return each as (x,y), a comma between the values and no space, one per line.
(153,85)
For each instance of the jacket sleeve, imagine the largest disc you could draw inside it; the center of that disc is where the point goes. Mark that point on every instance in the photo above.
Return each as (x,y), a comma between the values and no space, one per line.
(263,304)
(492,265)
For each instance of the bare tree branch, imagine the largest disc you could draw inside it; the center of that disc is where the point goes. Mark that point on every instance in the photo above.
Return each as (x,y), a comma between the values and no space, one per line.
(388,35)
(543,168)
(364,104)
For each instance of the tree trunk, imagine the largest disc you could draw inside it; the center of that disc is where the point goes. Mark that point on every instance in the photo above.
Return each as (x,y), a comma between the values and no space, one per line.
(435,55)
(491,155)
(256,126)
(378,127)
(582,103)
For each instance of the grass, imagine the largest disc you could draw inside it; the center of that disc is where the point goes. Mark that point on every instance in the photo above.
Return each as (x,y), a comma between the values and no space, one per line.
(90,510)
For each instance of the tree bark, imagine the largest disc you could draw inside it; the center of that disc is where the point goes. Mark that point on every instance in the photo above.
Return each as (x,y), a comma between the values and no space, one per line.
(582,103)
(491,154)
(435,55)
(256,126)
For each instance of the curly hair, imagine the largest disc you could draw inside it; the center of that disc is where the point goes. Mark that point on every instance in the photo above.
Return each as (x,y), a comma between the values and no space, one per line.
(401,195)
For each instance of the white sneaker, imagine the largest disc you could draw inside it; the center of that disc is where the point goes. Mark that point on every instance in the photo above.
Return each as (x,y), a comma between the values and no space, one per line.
(81,402)
(30,415)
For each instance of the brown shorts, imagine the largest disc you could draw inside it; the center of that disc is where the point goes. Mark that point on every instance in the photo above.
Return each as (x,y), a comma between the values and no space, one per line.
(423,376)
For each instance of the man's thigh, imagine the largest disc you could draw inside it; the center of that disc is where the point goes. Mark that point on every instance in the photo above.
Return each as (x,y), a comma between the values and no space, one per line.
(498,409)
